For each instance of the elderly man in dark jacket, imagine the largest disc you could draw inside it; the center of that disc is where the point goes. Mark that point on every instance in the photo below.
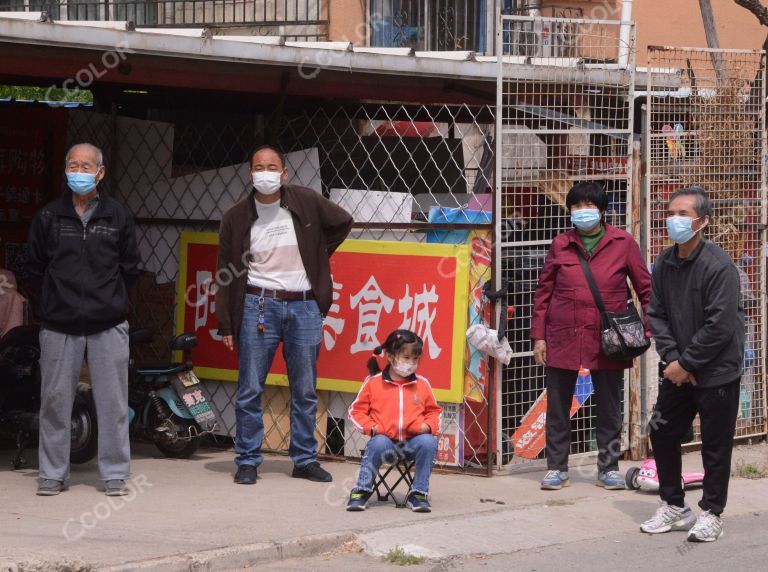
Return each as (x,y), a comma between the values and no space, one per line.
(82,247)
(274,285)
(698,323)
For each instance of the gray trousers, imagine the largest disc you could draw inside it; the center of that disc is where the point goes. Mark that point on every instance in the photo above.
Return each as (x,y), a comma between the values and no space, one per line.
(61,358)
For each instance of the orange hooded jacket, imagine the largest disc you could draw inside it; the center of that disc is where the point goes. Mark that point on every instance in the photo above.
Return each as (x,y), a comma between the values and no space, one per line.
(396,408)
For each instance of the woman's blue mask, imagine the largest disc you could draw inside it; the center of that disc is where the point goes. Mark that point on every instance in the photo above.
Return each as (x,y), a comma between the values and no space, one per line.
(81,183)
(585,219)
(680,228)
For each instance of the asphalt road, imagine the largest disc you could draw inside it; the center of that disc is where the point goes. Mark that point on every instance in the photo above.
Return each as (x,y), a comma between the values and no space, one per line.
(743,547)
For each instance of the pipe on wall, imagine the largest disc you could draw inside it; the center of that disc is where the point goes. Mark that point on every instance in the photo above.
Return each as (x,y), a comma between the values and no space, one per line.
(625,33)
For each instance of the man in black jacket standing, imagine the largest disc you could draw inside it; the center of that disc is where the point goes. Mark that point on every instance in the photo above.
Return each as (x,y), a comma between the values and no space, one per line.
(697,321)
(82,248)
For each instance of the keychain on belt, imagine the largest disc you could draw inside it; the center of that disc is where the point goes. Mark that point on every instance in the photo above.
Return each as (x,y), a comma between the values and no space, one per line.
(261,326)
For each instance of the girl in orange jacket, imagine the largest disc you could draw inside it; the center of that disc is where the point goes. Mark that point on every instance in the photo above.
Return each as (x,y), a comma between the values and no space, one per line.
(397,409)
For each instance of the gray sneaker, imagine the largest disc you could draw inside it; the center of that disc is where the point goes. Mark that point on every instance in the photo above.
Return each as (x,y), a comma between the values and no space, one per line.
(669,518)
(115,488)
(708,528)
(555,480)
(49,488)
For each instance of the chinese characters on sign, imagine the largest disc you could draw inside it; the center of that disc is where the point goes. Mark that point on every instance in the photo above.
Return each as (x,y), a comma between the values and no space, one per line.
(31,167)
(372,295)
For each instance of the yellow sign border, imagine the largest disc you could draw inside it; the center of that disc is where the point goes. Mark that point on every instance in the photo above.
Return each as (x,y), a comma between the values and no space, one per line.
(461,306)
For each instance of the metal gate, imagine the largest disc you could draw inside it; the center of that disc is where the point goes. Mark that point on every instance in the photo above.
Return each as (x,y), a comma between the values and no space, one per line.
(709,130)
(575,124)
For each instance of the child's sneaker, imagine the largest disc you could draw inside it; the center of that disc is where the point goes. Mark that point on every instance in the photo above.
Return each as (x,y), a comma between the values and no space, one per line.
(555,480)
(417,502)
(611,481)
(669,517)
(358,500)
(708,528)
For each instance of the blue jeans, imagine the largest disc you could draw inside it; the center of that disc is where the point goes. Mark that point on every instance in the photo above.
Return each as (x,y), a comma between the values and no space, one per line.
(298,324)
(382,449)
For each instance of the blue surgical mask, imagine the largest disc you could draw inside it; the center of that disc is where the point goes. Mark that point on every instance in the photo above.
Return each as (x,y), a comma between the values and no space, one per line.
(680,228)
(585,219)
(81,183)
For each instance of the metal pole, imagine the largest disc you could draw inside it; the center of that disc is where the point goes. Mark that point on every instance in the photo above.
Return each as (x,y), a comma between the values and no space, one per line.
(494,389)
(625,35)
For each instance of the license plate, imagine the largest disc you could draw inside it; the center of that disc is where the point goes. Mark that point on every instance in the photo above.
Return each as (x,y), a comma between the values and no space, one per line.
(195,399)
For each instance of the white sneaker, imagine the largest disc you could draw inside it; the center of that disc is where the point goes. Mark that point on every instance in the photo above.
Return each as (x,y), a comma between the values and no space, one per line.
(708,528)
(668,518)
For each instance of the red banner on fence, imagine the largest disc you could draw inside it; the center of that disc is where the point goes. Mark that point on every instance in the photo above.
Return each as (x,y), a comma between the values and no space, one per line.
(377,287)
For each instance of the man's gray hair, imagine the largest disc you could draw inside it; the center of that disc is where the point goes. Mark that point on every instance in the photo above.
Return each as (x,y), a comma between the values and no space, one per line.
(702,206)
(96,150)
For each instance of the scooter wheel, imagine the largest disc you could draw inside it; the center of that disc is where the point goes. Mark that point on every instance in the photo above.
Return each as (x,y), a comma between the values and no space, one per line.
(175,448)
(631,478)
(84,444)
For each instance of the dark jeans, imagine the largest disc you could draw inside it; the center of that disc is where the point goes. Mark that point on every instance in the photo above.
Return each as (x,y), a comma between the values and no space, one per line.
(298,325)
(561,384)
(382,449)
(675,410)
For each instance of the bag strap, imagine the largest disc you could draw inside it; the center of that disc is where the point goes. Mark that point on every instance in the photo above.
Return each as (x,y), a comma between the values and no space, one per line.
(591,280)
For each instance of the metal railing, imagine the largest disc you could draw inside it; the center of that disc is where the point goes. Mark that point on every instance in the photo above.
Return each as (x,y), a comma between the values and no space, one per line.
(294,19)
(432,25)
(553,33)
(455,25)
(549,11)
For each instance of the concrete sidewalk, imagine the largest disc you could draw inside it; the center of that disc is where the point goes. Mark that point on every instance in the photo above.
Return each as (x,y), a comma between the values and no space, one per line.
(188,514)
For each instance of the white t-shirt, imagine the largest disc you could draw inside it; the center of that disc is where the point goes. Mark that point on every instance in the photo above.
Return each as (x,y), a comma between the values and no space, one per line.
(275,258)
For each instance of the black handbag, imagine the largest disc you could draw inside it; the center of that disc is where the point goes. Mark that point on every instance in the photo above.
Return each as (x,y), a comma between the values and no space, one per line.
(622,334)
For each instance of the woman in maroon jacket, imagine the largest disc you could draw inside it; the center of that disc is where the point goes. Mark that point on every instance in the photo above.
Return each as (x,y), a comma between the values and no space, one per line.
(565,328)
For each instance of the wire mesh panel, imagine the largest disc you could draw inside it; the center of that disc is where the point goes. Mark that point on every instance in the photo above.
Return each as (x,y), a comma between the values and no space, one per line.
(572,123)
(709,130)
(407,174)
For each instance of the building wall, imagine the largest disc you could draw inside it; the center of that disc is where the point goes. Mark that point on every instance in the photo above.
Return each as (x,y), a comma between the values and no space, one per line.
(678,23)
(659,22)
(348,21)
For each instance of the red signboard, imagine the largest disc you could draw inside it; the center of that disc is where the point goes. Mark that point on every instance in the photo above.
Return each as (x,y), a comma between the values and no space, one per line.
(378,287)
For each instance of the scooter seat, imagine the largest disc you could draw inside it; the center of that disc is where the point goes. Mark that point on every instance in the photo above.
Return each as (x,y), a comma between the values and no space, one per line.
(156,370)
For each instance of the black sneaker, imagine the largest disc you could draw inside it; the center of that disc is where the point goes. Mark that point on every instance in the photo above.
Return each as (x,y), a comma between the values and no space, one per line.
(245,475)
(418,502)
(358,500)
(49,488)
(313,472)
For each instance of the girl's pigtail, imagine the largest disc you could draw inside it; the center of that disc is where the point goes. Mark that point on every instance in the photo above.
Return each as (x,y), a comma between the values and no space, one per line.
(373,362)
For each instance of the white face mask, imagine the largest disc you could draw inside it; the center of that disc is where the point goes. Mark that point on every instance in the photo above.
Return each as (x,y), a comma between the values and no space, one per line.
(266,182)
(403,369)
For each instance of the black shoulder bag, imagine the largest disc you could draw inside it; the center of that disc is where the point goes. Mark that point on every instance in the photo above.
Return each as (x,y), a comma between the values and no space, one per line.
(622,335)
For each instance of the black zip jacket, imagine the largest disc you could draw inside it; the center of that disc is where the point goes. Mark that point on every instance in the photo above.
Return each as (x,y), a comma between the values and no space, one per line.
(696,313)
(84,272)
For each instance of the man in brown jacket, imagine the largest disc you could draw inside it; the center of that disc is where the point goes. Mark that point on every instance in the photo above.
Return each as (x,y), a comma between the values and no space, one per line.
(274,285)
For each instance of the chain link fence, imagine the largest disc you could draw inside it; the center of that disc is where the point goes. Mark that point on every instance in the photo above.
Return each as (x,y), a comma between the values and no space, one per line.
(415,174)
(710,131)
(575,125)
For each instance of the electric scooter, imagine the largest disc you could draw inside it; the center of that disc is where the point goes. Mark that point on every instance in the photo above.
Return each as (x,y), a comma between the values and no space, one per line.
(167,403)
